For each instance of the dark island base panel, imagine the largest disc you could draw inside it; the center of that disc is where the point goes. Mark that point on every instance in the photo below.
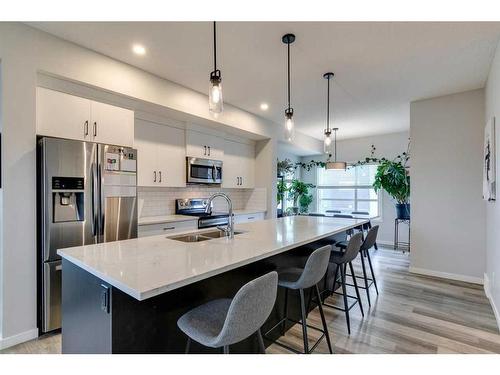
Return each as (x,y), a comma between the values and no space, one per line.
(98,318)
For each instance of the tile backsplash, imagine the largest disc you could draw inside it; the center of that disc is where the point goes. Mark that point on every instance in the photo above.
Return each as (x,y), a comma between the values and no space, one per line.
(161,201)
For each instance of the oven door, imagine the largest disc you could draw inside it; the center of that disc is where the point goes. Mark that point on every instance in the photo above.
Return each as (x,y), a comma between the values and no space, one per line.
(204,171)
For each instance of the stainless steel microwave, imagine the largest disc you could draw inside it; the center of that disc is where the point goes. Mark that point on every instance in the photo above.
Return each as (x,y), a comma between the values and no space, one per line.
(203,171)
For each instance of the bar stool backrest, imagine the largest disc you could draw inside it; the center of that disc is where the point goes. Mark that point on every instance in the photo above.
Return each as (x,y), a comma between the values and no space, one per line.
(353,247)
(316,214)
(249,309)
(333,211)
(343,216)
(370,239)
(315,267)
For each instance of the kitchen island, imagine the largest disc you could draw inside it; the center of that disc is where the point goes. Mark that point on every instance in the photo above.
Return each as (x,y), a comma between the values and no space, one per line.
(126,296)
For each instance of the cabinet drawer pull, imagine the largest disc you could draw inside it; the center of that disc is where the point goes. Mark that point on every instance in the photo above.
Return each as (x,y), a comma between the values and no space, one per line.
(168,228)
(205,152)
(208,150)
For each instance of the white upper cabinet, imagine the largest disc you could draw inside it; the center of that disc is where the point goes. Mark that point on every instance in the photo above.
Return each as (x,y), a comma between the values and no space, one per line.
(161,155)
(204,146)
(62,115)
(239,165)
(67,116)
(112,124)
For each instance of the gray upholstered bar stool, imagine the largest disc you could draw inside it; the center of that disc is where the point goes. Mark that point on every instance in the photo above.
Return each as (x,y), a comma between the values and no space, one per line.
(370,240)
(223,322)
(342,260)
(300,279)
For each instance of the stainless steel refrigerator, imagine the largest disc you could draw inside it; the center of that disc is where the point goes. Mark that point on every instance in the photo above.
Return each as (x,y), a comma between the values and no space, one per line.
(86,194)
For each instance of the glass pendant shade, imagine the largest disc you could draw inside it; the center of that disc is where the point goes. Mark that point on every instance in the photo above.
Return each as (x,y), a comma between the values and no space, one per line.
(215,102)
(289,128)
(328,143)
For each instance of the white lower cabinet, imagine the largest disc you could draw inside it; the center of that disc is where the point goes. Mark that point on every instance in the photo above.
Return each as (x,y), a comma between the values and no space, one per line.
(167,229)
(161,155)
(247,218)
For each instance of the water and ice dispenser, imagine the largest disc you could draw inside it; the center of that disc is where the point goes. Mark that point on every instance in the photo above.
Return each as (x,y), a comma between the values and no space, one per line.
(68,199)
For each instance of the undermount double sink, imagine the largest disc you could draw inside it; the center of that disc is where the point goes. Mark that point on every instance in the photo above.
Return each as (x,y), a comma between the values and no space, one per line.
(199,237)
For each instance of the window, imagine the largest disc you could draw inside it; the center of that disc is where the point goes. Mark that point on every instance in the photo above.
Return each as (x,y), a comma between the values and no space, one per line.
(288,198)
(348,191)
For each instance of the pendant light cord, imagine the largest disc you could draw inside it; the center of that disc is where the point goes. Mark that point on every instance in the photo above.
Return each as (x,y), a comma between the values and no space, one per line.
(215,48)
(335,150)
(288,44)
(328,107)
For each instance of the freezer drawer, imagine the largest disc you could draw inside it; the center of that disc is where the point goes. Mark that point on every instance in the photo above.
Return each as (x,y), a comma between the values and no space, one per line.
(51,298)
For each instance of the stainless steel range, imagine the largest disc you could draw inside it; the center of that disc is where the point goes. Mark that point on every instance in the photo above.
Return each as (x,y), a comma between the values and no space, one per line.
(197,207)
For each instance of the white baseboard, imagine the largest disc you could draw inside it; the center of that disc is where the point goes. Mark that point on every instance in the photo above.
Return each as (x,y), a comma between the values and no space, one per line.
(446,275)
(487,291)
(7,342)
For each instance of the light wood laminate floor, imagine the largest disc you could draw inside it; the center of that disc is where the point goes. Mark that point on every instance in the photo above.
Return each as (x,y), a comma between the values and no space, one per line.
(412,314)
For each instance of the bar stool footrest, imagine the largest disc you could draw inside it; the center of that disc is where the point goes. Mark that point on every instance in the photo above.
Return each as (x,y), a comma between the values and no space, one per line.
(288,347)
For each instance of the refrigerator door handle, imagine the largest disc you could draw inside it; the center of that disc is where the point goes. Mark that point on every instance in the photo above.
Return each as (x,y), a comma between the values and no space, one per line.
(95,202)
(102,202)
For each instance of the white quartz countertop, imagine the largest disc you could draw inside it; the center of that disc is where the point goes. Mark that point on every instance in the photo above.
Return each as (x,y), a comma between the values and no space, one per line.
(149,266)
(173,218)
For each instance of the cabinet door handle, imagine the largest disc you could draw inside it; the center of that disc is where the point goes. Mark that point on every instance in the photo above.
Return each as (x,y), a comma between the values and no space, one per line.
(205,152)
(208,150)
(160,176)
(241,181)
(168,228)
(86,128)
(95,128)
(155,176)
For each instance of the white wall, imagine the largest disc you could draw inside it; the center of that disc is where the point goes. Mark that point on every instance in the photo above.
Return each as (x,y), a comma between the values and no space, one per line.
(448,213)
(492,276)
(24,54)
(352,150)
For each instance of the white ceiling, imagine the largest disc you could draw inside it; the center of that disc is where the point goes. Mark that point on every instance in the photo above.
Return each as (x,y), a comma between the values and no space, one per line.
(379,67)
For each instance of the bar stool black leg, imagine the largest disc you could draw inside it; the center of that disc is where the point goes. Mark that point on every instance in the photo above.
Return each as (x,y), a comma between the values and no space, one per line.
(304,322)
(356,288)
(366,278)
(188,345)
(285,313)
(346,304)
(335,278)
(369,225)
(323,320)
(371,270)
(262,348)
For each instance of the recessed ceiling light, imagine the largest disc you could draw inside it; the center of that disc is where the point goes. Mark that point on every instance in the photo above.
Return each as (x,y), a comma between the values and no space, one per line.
(264,106)
(138,49)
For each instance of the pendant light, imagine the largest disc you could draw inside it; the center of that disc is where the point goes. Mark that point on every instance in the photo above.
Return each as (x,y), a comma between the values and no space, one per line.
(335,164)
(215,90)
(328,144)
(289,125)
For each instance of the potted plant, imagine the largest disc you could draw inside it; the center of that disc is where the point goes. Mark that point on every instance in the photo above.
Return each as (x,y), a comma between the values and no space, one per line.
(297,190)
(285,167)
(305,201)
(393,176)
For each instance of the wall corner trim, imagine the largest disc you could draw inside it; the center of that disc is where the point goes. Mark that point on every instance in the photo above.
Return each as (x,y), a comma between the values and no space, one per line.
(446,275)
(487,291)
(7,342)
